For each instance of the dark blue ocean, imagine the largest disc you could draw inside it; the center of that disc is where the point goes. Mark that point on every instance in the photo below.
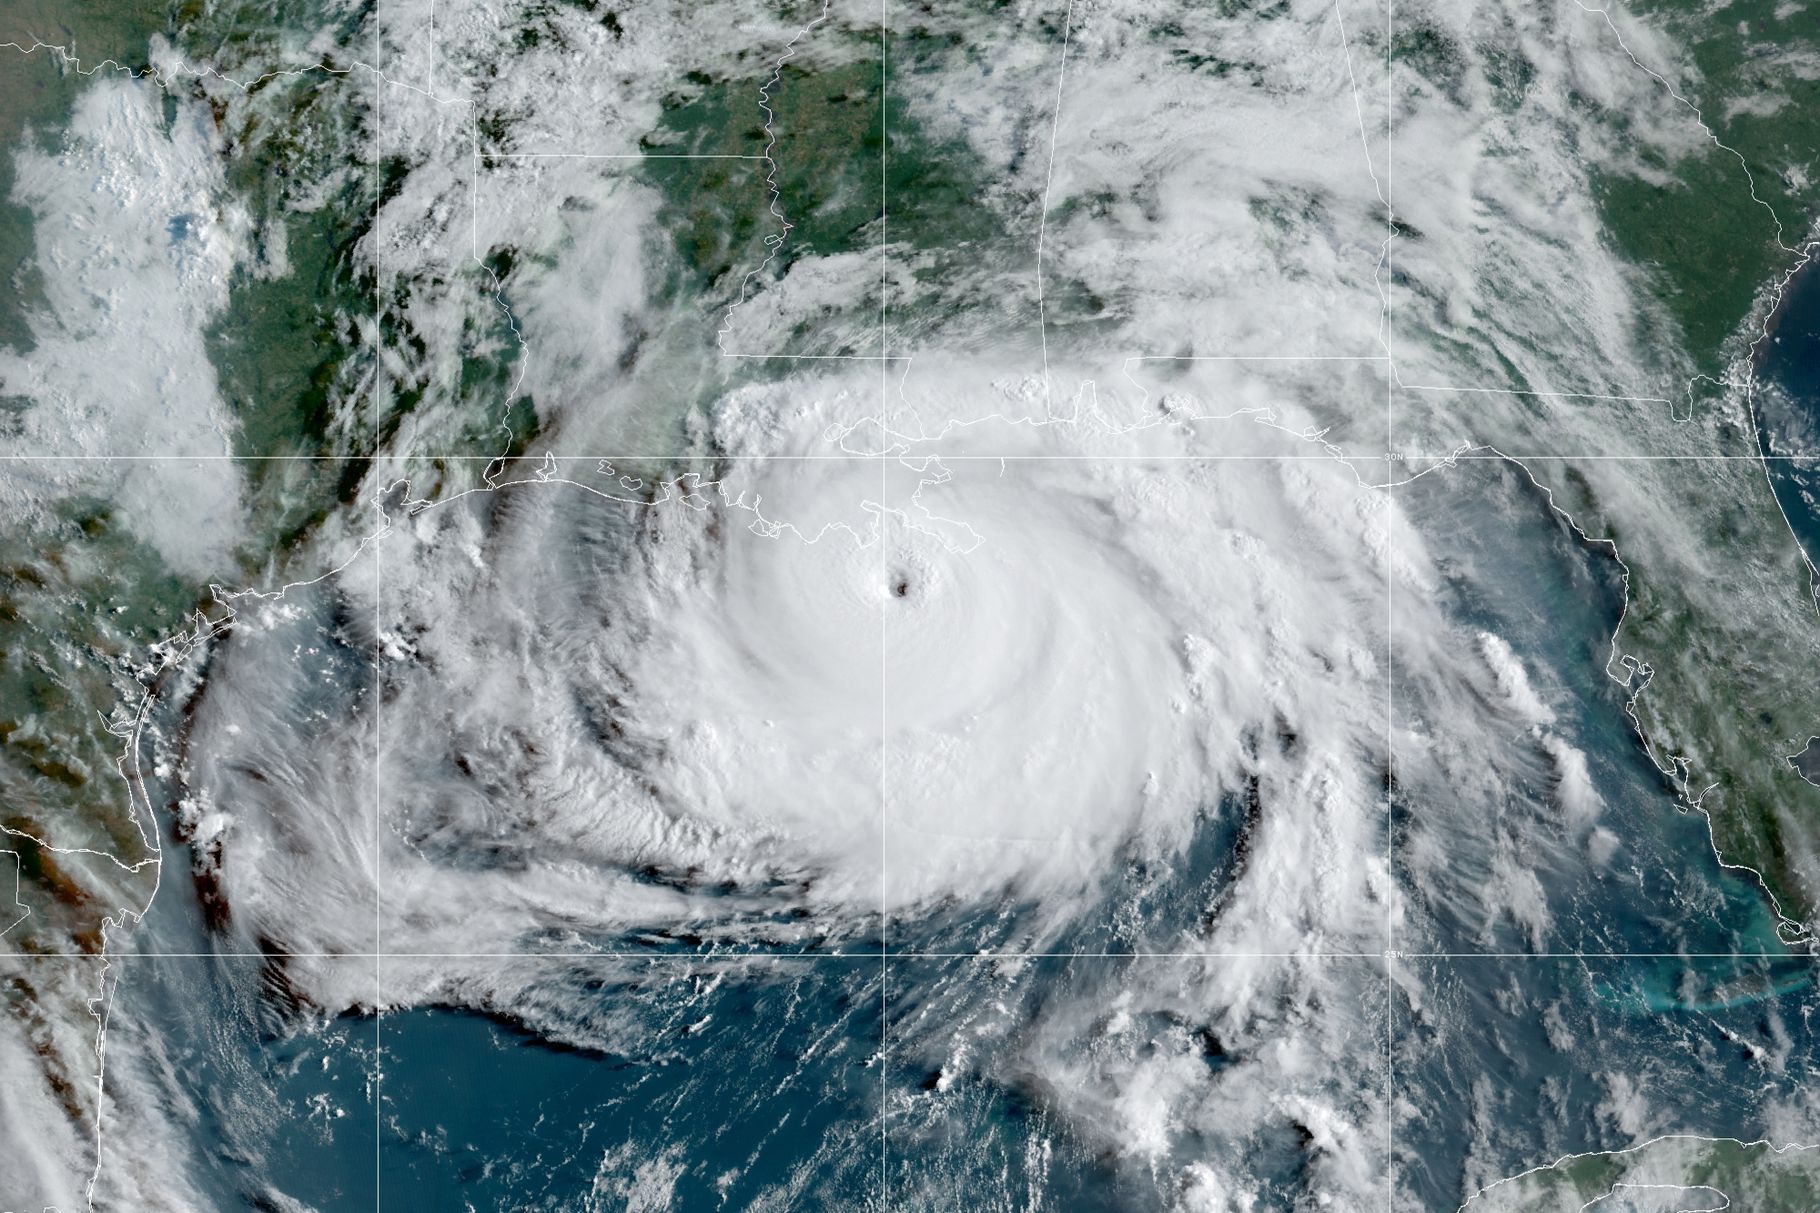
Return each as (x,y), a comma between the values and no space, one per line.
(1788,407)
(804,1083)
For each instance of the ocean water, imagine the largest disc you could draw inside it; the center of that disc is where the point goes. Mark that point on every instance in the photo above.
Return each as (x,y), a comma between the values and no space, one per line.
(1515,569)
(274,1101)
(1788,407)
(682,1083)
(1686,1013)
(1626,1015)
(1565,964)
(668,1081)
(707,1087)
(1562,982)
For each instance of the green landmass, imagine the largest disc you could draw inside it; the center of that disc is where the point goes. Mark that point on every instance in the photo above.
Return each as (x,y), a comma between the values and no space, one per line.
(1711,244)
(1720,635)
(84,597)
(1727,624)
(1668,1175)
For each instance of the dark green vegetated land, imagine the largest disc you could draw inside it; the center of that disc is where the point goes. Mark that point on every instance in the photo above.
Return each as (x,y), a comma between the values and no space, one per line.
(1711,245)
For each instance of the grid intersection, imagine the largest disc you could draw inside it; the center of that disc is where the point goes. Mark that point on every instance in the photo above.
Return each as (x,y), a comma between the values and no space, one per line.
(884,574)
(885,954)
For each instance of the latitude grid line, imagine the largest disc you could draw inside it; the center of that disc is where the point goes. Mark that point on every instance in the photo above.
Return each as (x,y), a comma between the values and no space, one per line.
(861,457)
(730,954)
(884,955)
(1439,458)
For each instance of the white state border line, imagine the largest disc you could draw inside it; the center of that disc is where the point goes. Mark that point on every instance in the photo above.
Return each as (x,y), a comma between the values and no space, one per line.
(1042,214)
(1637,675)
(545,473)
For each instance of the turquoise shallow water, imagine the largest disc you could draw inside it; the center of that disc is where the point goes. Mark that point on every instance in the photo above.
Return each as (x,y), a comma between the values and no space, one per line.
(825,1083)
(1512,1063)
(595,1083)
(811,1083)
(1520,573)
(725,1085)
(1505,1059)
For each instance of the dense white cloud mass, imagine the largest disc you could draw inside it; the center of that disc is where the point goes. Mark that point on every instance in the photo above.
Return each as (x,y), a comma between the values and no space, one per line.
(136,239)
(1060,664)
(52,1158)
(773,707)
(1079,606)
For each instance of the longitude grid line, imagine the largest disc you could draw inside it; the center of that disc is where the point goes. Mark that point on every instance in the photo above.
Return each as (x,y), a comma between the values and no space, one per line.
(884,677)
(885,955)
(1390,831)
(378,579)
